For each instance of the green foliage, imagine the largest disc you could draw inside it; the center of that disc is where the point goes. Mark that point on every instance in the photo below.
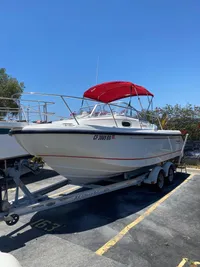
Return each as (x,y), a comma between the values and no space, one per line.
(38,160)
(185,119)
(8,87)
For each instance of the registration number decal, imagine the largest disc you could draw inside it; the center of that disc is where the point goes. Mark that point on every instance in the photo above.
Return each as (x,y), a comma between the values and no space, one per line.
(103,137)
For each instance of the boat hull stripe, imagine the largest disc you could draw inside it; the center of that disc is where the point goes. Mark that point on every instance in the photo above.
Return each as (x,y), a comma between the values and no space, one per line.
(63,131)
(85,157)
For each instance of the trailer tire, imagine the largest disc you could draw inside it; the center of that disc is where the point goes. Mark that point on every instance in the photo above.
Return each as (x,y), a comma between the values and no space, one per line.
(170,177)
(158,187)
(14,220)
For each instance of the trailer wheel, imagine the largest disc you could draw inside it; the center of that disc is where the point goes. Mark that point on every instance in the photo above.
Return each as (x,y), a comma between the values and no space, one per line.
(14,220)
(160,181)
(170,176)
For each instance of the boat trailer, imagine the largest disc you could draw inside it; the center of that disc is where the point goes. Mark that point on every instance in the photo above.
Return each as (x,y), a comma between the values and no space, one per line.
(37,201)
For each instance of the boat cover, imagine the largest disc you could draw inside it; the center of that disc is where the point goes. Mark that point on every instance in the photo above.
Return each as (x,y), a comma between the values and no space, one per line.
(111,91)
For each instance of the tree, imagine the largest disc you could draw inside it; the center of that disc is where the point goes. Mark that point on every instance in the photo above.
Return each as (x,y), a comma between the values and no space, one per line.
(186,119)
(8,87)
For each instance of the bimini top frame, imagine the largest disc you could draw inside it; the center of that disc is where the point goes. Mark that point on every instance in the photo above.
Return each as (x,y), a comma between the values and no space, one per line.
(65,97)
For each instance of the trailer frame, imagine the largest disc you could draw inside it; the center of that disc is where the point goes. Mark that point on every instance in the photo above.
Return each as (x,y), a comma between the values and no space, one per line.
(37,201)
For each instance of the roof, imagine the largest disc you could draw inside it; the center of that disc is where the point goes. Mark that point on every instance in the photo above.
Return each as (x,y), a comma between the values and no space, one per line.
(111,91)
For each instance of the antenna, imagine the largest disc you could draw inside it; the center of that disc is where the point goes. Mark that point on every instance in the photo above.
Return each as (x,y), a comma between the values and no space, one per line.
(97,69)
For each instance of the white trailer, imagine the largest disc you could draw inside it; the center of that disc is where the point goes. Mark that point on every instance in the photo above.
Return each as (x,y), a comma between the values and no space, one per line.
(33,202)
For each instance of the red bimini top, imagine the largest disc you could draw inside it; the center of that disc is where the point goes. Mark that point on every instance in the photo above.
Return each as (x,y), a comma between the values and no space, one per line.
(111,91)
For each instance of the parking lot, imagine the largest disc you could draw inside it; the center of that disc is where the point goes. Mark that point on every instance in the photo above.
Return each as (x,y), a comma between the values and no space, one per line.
(130,227)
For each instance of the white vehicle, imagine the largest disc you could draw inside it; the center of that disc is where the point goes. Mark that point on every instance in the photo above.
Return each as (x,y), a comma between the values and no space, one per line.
(9,147)
(17,117)
(108,140)
(8,260)
(96,144)
(10,118)
(13,156)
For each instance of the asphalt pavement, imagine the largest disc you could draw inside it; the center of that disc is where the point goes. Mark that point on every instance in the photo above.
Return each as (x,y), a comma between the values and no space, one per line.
(130,227)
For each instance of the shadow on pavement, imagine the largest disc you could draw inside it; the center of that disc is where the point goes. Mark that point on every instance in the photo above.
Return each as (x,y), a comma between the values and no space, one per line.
(30,178)
(86,214)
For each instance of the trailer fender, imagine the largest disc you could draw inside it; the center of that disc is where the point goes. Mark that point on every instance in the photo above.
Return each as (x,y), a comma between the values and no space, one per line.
(167,166)
(153,175)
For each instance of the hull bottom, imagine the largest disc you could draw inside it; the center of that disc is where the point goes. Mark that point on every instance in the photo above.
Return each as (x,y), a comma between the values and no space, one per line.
(84,157)
(84,171)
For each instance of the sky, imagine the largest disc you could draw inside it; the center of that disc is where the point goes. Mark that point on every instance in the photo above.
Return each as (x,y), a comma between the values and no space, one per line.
(54,46)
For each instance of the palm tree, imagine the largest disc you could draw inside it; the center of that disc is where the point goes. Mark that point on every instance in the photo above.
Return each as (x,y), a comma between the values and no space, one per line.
(164,120)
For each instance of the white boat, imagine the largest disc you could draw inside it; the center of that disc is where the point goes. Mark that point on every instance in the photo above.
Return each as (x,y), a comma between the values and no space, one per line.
(10,148)
(11,118)
(105,141)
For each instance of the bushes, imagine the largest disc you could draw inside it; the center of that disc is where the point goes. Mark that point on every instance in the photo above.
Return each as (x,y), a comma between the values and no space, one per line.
(186,119)
(38,160)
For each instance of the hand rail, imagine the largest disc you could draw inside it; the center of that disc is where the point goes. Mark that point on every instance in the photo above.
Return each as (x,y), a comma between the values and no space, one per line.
(61,96)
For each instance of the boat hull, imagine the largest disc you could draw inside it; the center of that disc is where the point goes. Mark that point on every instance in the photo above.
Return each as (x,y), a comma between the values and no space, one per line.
(9,147)
(85,157)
